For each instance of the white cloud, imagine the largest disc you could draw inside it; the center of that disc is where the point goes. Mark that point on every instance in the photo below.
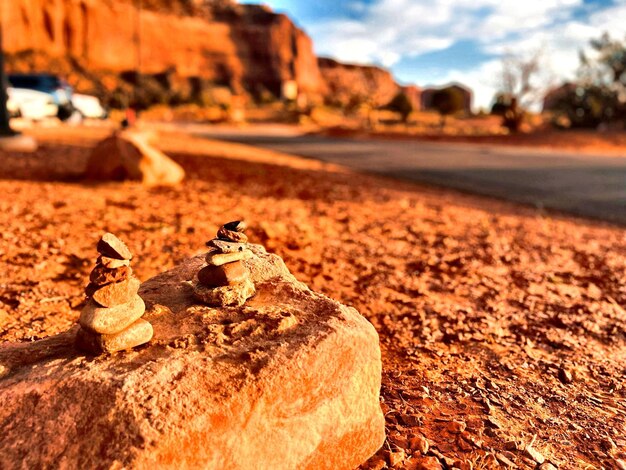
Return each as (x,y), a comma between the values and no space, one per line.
(405,28)
(389,31)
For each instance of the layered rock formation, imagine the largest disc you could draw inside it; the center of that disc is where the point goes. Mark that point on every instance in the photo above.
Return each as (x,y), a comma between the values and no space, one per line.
(349,82)
(185,47)
(290,380)
(244,47)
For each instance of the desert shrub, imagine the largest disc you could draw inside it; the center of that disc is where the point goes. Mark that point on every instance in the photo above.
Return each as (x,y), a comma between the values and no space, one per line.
(589,106)
(447,101)
(402,105)
(599,95)
(501,103)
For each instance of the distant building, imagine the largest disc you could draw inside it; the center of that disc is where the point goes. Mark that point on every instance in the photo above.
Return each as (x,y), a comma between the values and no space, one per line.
(427,96)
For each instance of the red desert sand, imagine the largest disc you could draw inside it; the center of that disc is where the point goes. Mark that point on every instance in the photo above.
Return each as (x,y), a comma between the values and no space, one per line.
(502,328)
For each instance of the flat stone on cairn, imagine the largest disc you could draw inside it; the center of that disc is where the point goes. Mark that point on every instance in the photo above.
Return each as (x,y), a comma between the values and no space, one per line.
(111,320)
(225,280)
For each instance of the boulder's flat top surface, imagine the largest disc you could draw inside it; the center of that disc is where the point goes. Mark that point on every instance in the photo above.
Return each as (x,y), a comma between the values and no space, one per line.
(290,380)
(479,304)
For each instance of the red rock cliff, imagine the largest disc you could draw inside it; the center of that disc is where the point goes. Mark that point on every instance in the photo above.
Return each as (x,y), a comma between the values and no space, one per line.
(348,82)
(244,47)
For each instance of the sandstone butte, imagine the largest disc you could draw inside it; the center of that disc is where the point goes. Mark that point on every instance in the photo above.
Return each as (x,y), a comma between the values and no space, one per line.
(290,380)
(247,48)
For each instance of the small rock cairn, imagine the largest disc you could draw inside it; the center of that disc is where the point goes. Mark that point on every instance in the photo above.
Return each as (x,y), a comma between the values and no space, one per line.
(111,320)
(225,280)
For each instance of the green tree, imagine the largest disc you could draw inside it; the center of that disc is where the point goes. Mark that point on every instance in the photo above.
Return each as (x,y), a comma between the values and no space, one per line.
(402,105)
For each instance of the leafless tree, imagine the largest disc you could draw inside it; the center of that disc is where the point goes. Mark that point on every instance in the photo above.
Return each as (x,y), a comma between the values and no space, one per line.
(525,78)
(523,84)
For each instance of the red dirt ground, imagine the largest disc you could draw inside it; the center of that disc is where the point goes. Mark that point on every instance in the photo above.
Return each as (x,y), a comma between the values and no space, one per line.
(501,327)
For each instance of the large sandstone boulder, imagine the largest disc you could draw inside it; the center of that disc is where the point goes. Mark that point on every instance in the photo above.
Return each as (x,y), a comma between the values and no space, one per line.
(290,380)
(128,155)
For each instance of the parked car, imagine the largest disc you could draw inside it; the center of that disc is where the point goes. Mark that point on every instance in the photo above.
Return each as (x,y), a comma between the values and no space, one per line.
(58,89)
(30,104)
(89,106)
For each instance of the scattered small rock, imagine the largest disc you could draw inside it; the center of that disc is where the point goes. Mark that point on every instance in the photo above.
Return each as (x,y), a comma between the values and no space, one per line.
(396,458)
(418,443)
(503,459)
(534,454)
(456,427)
(377,463)
(565,376)
(549,466)
(425,463)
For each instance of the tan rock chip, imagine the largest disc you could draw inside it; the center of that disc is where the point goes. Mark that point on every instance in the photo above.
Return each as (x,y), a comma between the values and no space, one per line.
(216,258)
(140,332)
(112,247)
(226,296)
(109,321)
(115,294)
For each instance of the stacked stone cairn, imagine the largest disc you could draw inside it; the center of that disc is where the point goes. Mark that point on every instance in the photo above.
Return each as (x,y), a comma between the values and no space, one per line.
(111,321)
(225,280)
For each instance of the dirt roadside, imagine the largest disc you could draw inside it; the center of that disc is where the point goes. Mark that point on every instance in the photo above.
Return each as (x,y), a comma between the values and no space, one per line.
(500,327)
(581,141)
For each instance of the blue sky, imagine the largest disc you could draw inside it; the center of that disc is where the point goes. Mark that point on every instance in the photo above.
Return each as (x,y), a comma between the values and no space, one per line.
(437,41)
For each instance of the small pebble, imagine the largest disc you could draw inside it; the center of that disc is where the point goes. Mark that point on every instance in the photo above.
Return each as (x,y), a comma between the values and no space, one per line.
(419,443)
(456,427)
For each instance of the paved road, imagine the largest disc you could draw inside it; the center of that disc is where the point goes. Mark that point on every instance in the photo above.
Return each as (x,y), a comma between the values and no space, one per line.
(587,185)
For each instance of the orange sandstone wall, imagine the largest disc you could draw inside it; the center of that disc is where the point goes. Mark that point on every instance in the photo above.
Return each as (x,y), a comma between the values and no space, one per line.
(244,47)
